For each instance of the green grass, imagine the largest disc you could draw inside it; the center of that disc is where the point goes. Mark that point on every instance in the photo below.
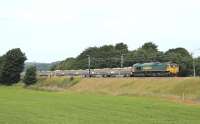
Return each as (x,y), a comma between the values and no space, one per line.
(25,106)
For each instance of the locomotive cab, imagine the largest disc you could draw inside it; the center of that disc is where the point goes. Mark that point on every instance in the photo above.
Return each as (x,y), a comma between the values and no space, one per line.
(173,69)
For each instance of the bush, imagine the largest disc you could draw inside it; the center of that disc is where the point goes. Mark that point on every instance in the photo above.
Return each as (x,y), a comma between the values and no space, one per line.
(30,76)
(71,78)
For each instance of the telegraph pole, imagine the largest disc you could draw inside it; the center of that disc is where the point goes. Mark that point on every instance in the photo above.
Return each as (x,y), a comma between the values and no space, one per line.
(122,60)
(89,64)
(122,63)
(194,66)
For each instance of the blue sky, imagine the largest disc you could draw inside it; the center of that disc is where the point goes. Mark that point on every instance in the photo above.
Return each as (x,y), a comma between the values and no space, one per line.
(51,30)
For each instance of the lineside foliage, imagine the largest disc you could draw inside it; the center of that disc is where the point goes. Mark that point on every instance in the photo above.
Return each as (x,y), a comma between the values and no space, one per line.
(109,56)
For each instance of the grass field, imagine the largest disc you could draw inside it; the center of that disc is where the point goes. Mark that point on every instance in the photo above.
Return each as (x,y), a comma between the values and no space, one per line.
(25,106)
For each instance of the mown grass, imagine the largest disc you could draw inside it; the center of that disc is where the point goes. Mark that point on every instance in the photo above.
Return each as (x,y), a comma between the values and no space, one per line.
(24,106)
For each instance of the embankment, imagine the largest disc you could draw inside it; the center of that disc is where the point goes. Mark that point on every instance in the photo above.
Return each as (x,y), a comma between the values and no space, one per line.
(183,88)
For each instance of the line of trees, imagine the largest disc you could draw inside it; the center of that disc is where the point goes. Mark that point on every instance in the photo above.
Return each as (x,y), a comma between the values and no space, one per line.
(108,56)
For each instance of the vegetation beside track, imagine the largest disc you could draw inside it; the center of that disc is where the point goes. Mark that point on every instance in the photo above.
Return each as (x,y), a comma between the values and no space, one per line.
(173,88)
(181,88)
(54,83)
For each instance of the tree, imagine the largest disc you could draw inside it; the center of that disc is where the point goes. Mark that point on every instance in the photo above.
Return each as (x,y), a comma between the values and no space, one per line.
(67,64)
(101,57)
(147,53)
(11,66)
(30,76)
(1,66)
(123,48)
(197,64)
(150,46)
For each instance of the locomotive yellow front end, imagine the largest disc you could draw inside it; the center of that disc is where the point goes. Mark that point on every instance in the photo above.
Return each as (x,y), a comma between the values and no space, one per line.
(173,69)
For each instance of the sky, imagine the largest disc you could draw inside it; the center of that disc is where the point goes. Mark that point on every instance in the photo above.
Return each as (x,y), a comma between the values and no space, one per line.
(52,30)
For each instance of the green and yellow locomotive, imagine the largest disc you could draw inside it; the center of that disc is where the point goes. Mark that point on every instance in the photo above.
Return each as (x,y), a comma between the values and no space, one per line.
(155,69)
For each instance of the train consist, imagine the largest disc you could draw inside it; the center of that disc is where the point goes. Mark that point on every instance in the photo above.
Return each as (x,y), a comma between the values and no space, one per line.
(154,69)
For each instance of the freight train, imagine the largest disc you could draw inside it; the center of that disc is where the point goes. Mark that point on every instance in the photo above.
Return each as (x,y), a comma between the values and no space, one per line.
(153,69)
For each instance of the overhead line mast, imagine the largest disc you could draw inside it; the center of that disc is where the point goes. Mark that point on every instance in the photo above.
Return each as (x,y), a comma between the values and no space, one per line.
(122,60)
(89,65)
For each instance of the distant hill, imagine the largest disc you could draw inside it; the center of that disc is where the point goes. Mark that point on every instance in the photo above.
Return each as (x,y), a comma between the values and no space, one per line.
(40,66)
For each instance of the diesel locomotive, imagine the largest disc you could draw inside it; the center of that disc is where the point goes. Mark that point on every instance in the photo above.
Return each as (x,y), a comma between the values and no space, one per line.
(155,69)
